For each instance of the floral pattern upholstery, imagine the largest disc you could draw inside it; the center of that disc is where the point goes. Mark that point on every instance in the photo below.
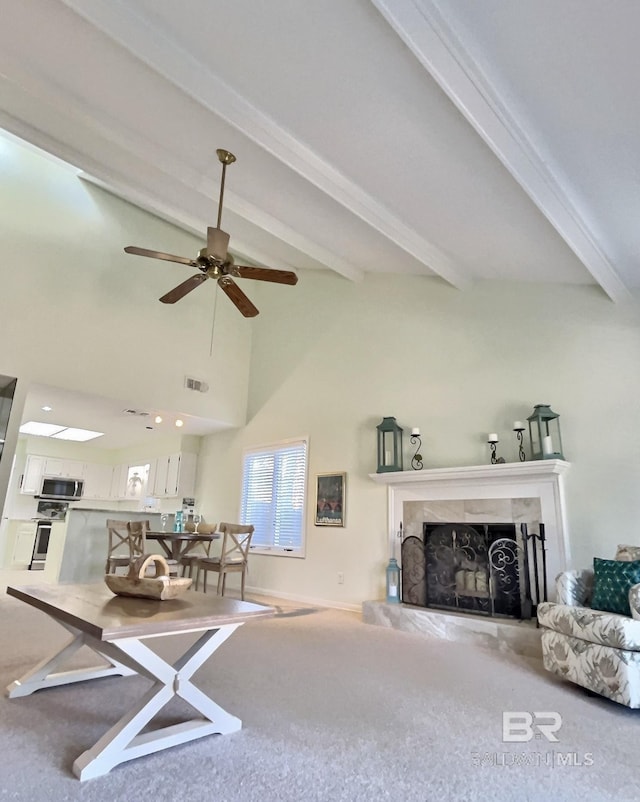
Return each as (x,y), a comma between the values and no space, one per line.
(595,626)
(614,673)
(597,650)
(575,587)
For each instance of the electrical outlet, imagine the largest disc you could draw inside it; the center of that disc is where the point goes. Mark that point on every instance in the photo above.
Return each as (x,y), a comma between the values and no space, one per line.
(340,578)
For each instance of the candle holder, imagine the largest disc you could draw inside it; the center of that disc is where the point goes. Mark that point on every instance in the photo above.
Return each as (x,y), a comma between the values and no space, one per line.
(519,435)
(416,459)
(493,441)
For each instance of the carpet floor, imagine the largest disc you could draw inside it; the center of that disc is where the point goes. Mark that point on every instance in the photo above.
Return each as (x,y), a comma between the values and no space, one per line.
(332,710)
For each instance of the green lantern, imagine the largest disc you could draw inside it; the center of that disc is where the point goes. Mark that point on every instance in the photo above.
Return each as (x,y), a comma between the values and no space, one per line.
(389,446)
(544,431)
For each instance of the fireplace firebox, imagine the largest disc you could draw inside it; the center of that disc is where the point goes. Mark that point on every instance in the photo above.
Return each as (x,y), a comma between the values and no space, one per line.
(496,569)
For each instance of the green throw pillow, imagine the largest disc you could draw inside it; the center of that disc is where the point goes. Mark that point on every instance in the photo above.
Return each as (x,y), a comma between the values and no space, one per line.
(611,584)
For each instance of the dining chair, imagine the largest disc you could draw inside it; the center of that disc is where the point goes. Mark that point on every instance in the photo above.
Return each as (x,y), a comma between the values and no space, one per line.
(234,556)
(189,561)
(137,531)
(118,551)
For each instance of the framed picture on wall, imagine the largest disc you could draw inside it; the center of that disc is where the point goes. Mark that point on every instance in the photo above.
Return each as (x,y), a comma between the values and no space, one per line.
(330,499)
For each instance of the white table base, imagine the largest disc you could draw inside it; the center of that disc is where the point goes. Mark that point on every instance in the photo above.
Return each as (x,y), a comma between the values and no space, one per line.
(126,657)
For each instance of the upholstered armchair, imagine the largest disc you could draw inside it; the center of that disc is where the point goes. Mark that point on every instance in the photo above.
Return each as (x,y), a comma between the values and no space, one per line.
(596,649)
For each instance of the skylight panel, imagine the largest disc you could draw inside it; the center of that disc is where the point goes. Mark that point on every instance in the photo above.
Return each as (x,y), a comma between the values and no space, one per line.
(40,429)
(81,435)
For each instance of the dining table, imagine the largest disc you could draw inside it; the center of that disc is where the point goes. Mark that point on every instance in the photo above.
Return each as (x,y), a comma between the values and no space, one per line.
(177,544)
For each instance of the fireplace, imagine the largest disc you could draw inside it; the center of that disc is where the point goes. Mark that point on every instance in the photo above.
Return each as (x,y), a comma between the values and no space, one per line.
(519,493)
(481,568)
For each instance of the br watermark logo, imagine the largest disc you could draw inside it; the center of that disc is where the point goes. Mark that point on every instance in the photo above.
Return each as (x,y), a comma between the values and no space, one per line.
(520,726)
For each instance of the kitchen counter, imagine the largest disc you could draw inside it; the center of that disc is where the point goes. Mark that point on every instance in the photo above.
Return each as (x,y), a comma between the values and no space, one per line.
(84,552)
(116,513)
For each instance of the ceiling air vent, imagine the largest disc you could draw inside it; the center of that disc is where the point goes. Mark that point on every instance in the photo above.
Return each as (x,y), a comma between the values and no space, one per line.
(138,412)
(195,384)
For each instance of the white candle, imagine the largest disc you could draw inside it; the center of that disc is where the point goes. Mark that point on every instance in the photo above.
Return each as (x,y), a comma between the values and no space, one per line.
(517,424)
(547,445)
(415,432)
(492,438)
(387,458)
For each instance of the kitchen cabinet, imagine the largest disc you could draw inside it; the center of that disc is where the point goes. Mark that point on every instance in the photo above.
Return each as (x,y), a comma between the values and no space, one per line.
(173,476)
(36,467)
(32,477)
(97,480)
(24,537)
(67,468)
(119,482)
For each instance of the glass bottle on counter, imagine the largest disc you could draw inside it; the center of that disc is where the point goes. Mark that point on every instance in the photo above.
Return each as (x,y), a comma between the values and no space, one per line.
(178,522)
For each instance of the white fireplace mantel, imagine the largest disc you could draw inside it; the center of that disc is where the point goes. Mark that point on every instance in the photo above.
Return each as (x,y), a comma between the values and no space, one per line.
(536,470)
(536,479)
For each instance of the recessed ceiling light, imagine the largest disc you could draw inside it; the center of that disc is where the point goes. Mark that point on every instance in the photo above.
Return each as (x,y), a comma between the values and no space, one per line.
(47,409)
(158,419)
(40,429)
(81,435)
(179,422)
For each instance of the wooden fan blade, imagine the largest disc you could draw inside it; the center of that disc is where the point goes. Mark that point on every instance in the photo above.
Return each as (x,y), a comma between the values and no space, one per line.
(168,257)
(235,294)
(182,289)
(217,243)
(265,274)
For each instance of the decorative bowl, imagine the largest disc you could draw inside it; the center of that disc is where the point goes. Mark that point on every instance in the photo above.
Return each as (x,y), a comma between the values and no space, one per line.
(135,583)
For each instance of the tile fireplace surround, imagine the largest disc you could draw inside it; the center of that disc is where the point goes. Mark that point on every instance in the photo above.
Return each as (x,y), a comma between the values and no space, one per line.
(522,492)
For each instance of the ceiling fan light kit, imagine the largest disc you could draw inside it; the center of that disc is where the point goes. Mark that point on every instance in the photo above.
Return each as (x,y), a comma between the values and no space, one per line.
(214,261)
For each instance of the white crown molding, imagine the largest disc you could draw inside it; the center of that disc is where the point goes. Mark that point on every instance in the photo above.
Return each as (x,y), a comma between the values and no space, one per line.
(422,27)
(177,65)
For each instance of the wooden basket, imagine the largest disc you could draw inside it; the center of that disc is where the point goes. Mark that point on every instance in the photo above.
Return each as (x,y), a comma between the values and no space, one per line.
(135,583)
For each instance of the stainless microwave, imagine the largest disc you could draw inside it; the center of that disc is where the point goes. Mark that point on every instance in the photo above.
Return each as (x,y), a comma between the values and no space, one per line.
(62,489)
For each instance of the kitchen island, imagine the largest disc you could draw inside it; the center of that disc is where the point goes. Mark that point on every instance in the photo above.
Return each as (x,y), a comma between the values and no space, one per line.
(80,554)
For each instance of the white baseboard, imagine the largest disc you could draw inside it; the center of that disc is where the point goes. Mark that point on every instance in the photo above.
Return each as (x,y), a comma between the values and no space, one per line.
(335,605)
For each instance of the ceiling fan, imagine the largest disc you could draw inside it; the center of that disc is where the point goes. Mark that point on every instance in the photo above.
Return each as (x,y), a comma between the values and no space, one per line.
(216,262)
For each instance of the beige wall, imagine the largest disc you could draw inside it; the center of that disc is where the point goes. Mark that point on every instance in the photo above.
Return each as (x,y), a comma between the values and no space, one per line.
(331,358)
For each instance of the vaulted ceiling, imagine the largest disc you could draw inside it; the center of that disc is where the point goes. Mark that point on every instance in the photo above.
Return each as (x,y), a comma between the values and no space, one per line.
(466,140)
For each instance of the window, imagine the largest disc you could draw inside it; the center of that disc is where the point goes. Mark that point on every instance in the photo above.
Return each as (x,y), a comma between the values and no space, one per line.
(274,489)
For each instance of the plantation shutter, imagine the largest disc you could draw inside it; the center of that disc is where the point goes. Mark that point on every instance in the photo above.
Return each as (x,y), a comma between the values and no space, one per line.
(273,495)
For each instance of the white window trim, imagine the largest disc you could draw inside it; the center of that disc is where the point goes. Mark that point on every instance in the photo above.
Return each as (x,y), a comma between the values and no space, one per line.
(279,551)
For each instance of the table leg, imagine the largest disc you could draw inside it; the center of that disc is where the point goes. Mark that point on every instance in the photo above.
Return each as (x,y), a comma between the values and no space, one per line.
(128,656)
(41,677)
(123,741)
(168,549)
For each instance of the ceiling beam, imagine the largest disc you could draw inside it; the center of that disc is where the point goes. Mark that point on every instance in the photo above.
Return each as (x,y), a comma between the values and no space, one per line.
(421,26)
(126,186)
(196,226)
(179,67)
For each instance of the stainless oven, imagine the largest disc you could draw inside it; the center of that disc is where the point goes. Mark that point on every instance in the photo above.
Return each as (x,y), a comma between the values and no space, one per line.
(40,546)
